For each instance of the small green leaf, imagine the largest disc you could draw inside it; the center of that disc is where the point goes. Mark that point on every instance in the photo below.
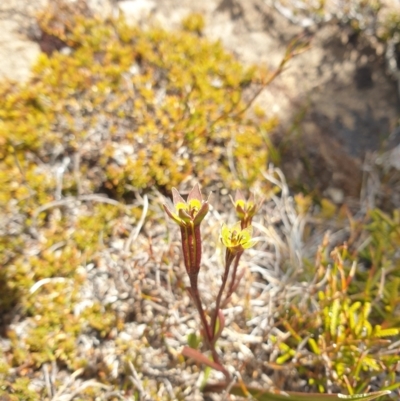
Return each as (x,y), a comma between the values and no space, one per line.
(314,346)
(193,340)
(379,332)
(334,316)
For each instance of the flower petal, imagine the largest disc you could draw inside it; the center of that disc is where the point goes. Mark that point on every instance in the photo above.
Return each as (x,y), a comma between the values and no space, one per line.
(177,198)
(249,244)
(195,193)
(226,235)
(246,234)
(239,197)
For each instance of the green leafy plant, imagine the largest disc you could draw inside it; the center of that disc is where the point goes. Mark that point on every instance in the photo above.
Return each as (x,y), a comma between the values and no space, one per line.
(380,253)
(340,340)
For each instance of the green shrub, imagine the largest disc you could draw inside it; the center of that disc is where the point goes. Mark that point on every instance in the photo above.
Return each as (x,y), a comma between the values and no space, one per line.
(337,340)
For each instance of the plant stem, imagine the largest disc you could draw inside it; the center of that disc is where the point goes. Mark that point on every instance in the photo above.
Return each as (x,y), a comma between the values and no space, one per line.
(229,257)
(194,291)
(231,287)
(196,297)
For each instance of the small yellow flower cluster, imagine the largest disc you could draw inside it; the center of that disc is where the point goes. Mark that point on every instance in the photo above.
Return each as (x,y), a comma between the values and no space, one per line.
(188,216)
(237,239)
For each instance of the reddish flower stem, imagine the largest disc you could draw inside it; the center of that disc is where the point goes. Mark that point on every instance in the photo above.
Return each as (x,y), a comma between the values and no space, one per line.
(207,329)
(229,257)
(231,287)
(196,297)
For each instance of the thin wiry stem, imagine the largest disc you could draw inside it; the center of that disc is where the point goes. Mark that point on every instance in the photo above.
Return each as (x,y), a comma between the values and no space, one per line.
(194,291)
(232,284)
(207,329)
(229,257)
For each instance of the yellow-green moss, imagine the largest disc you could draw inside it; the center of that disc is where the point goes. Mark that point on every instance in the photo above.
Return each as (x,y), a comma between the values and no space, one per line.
(173,98)
(19,390)
(194,23)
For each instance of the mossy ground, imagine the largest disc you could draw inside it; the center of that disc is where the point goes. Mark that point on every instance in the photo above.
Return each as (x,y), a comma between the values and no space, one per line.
(92,291)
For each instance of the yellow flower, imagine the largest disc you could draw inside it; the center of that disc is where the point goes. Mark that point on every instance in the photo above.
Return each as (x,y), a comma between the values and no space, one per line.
(236,239)
(191,212)
(188,215)
(246,209)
